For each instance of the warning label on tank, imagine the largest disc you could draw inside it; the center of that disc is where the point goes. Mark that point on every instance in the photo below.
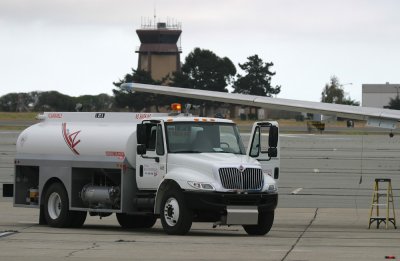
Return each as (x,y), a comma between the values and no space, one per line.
(118,154)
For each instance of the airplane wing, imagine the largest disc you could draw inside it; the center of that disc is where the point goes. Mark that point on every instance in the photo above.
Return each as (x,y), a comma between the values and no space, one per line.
(376,117)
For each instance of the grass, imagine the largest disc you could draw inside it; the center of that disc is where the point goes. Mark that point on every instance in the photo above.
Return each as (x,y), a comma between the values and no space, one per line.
(243,125)
(24,117)
(18,115)
(12,128)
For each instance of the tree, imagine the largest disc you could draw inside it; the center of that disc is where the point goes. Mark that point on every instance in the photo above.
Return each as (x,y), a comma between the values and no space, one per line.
(18,102)
(9,102)
(101,102)
(394,104)
(54,101)
(133,101)
(257,80)
(333,93)
(204,70)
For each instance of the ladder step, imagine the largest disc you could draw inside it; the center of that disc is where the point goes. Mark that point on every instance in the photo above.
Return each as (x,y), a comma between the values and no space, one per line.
(380,204)
(381,192)
(383,180)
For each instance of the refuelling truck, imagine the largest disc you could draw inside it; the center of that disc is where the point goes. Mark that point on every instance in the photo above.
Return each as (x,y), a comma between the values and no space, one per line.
(144,166)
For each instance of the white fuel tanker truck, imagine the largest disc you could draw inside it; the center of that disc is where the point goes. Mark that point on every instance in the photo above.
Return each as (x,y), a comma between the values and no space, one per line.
(144,166)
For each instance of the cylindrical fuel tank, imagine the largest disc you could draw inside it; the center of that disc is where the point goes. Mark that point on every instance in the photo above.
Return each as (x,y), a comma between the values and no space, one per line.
(82,135)
(93,195)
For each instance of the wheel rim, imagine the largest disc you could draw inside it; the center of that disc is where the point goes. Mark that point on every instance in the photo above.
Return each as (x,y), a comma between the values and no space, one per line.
(171,212)
(54,205)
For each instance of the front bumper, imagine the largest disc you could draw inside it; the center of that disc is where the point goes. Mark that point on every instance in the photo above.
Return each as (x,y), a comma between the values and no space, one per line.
(218,201)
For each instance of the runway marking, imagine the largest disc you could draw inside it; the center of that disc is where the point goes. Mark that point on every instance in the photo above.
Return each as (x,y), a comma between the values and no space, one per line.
(296,135)
(27,222)
(9,132)
(7,233)
(294,192)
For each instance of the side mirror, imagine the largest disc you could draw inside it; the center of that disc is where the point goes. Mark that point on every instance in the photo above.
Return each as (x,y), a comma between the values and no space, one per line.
(141,134)
(141,149)
(273,137)
(272,152)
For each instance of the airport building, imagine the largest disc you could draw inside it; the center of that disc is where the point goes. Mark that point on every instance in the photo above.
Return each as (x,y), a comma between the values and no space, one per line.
(159,51)
(379,95)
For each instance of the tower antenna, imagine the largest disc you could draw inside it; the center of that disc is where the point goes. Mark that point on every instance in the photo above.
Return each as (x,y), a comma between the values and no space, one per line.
(155,14)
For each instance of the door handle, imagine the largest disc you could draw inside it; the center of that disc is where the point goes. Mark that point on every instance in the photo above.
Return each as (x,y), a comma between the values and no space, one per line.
(141,171)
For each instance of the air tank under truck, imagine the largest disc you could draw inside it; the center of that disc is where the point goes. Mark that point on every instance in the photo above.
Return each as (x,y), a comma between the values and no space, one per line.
(145,166)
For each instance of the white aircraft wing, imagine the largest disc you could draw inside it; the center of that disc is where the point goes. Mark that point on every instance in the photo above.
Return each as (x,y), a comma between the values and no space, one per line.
(377,117)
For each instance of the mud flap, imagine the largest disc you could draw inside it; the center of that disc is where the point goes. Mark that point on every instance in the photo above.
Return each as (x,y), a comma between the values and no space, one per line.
(242,215)
(42,219)
(8,190)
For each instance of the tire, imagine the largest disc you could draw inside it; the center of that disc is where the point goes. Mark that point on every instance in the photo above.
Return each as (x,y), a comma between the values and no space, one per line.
(176,218)
(136,221)
(78,218)
(265,221)
(56,207)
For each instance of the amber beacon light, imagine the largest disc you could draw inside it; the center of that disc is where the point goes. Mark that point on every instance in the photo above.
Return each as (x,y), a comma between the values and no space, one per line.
(176,107)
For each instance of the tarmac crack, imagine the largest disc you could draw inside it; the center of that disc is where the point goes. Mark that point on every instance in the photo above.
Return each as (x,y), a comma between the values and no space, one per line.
(301,235)
(93,246)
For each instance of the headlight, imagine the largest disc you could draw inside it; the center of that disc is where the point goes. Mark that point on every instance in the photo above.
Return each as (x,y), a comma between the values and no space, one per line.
(201,185)
(272,188)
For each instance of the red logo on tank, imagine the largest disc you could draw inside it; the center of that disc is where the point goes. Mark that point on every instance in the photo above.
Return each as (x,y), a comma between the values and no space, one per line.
(70,138)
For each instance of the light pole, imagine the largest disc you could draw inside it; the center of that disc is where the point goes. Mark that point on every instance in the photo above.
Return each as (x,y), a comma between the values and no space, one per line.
(350,123)
(344,84)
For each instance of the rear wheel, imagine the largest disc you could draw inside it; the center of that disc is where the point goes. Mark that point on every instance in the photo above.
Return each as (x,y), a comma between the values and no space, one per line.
(56,206)
(265,221)
(136,221)
(176,218)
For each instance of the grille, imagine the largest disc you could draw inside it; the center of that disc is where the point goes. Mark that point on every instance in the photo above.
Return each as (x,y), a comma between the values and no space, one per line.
(249,179)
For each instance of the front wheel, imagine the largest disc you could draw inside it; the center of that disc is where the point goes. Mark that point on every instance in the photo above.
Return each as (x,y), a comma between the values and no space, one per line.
(176,218)
(56,206)
(265,221)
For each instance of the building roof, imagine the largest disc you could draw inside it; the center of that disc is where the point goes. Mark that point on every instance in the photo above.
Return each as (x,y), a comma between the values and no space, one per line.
(380,88)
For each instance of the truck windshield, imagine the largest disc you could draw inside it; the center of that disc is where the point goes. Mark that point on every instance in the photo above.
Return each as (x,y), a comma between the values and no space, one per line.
(197,137)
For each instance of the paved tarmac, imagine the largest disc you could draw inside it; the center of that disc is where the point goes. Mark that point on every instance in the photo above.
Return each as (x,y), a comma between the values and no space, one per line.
(322,213)
(298,234)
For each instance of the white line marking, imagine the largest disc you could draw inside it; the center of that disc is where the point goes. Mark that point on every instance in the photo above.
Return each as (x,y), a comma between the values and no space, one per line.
(297,135)
(4,234)
(294,192)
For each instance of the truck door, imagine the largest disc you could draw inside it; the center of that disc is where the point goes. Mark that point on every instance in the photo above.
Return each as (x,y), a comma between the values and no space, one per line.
(151,155)
(264,146)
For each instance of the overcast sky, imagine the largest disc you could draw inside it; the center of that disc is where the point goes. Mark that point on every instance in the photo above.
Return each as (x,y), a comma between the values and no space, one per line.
(81,46)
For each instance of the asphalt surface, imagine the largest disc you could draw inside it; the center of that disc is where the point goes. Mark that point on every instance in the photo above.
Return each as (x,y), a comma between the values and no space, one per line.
(322,213)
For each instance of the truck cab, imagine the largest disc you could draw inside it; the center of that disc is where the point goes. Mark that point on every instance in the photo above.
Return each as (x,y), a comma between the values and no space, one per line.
(201,171)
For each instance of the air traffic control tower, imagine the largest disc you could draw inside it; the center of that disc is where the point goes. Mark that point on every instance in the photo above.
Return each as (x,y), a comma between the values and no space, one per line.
(159,52)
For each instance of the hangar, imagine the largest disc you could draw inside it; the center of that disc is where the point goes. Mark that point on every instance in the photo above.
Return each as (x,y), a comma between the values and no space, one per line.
(379,95)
